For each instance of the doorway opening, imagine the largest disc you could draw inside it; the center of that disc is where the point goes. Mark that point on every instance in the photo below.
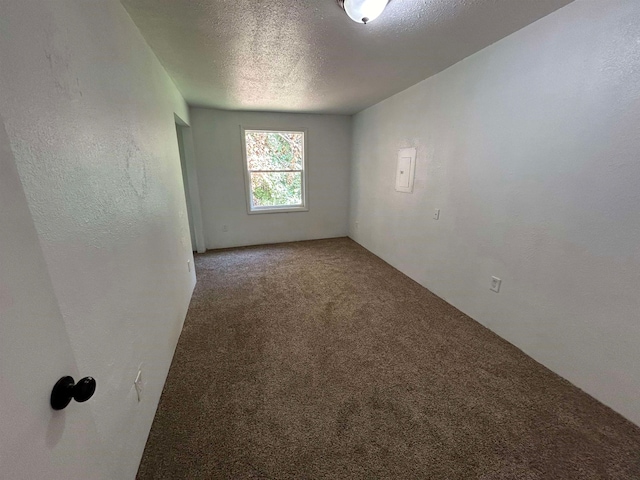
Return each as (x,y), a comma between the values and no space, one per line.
(185,183)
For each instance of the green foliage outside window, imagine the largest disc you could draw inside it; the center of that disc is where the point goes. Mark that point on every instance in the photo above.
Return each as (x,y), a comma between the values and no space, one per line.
(275,161)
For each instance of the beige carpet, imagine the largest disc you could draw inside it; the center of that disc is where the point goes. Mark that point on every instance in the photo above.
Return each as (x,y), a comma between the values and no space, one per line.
(317,360)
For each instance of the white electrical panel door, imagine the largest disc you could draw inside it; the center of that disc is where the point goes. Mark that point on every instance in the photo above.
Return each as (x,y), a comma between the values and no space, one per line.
(406,170)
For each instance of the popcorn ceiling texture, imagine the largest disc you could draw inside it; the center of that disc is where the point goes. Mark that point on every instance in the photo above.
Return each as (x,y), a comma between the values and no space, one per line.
(317,360)
(308,56)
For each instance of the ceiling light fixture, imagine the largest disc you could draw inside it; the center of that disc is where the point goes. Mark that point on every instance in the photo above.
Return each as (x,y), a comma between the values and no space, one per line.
(363,11)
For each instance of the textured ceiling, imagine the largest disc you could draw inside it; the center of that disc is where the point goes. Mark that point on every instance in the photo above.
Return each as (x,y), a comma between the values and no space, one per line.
(308,56)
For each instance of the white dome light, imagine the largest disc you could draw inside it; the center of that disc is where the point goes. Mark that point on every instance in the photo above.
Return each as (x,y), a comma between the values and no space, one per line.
(364,11)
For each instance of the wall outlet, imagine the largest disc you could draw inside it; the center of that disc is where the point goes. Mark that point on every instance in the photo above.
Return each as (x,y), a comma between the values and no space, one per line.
(436,214)
(495,284)
(139,384)
(189,265)
(225,228)
(357,225)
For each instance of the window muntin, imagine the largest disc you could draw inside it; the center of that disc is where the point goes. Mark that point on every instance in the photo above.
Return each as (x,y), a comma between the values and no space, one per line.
(274,170)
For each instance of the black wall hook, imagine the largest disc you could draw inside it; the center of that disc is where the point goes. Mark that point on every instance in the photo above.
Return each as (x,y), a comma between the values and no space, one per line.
(64,390)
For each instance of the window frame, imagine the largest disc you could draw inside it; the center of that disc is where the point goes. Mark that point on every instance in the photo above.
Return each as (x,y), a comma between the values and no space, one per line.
(251,210)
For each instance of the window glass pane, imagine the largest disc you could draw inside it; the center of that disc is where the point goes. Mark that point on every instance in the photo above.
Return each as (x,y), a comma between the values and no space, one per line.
(276,189)
(274,150)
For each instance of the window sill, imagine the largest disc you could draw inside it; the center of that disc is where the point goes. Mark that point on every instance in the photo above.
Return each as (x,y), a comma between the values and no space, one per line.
(259,211)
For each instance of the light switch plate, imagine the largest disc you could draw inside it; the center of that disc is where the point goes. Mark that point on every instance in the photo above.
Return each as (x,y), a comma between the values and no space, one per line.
(436,214)
(495,284)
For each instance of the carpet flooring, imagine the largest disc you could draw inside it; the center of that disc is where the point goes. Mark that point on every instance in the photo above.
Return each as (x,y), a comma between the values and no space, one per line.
(317,360)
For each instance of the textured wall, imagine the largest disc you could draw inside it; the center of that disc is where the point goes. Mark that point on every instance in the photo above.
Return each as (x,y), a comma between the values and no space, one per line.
(89,114)
(218,150)
(530,148)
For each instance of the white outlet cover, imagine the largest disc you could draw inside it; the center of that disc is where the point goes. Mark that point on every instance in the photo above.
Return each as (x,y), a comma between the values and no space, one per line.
(436,214)
(495,284)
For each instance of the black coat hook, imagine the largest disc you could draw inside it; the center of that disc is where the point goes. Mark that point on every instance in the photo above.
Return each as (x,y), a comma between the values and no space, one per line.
(65,390)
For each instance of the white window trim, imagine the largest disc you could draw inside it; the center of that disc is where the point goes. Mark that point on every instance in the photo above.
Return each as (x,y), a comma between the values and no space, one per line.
(247,176)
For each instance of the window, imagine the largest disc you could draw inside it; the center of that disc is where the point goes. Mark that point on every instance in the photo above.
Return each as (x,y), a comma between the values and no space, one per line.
(275,164)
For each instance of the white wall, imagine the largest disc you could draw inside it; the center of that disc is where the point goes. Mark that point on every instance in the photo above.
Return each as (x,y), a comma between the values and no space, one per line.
(218,150)
(531,150)
(89,113)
